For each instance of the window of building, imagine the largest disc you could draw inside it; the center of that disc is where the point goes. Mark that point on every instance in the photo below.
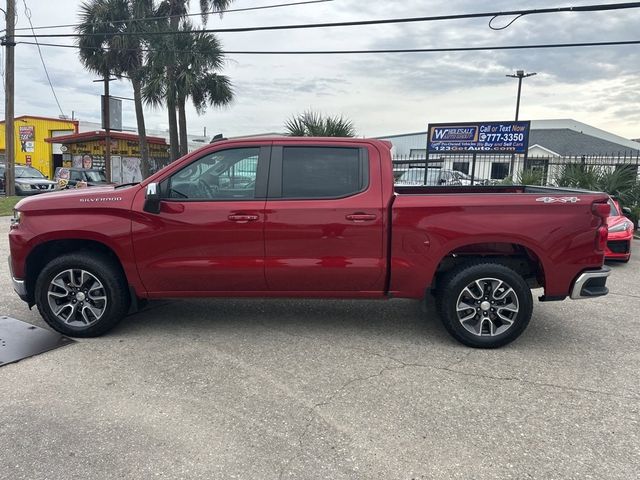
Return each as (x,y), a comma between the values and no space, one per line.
(461,167)
(499,170)
(322,172)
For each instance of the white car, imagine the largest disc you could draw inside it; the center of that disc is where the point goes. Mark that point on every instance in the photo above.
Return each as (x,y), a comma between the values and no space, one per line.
(435,176)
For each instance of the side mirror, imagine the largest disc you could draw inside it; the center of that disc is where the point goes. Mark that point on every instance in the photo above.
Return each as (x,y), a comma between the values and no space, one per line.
(152,199)
(626,210)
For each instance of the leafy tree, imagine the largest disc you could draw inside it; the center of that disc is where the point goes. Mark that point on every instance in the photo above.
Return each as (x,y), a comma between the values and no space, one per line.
(313,124)
(525,177)
(105,51)
(619,182)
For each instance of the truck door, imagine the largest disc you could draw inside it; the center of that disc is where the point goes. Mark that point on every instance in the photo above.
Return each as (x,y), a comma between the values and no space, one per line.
(209,234)
(324,219)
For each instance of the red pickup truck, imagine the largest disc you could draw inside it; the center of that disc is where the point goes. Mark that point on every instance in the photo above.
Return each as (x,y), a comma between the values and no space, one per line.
(306,217)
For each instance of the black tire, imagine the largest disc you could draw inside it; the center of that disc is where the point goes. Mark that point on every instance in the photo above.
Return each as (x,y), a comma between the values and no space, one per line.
(112,286)
(450,290)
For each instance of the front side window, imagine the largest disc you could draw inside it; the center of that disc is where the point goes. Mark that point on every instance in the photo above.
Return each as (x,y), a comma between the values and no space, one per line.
(322,172)
(224,175)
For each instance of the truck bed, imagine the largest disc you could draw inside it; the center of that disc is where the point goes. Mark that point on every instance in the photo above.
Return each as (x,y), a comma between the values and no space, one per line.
(553,226)
(486,189)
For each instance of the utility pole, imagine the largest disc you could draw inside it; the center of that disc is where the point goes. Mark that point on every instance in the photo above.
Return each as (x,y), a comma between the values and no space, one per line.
(520,75)
(107,127)
(9,138)
(106,123)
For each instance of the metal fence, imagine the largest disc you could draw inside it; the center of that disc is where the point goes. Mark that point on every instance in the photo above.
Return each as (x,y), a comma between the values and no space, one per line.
(464,169)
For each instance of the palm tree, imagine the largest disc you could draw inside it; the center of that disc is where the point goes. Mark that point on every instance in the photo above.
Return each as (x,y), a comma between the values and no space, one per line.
(209,5)
(313,124)
(111,53)
(197,77)
(166,63)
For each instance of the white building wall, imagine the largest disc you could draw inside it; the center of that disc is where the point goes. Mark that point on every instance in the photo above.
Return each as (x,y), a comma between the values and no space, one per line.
(404,144)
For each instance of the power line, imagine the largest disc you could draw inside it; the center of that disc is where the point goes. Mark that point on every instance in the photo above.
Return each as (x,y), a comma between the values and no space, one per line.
(27,12)
(392,50)
(168,17)
(493,15)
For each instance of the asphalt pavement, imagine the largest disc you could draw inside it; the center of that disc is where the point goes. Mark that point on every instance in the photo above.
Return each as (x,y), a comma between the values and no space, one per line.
(313,389)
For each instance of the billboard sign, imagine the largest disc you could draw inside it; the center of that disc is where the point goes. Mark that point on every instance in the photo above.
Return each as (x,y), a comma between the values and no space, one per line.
(115,113)
(484,137)
(27,138)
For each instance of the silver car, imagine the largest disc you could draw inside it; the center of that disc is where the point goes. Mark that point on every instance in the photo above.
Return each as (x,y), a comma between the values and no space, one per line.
(29,181)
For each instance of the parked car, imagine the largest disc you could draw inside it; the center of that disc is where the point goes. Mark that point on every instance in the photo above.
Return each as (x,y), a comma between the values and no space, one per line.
(620,234)
(320,219)
(70,177)
(28,181)
(436,176)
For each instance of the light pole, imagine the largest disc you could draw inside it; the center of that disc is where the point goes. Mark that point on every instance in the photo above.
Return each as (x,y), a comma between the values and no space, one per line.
(520,75)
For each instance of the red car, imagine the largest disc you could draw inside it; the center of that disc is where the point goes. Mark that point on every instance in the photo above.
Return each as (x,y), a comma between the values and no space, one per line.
(620,234)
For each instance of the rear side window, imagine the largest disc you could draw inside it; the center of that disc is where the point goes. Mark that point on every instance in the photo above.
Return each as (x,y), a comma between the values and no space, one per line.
(323,172)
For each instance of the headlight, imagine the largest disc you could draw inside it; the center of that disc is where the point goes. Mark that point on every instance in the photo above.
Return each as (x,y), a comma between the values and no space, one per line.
(621,227)
(15,220)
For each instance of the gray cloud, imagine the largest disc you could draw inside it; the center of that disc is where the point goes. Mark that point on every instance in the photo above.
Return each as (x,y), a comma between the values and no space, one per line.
(382,93)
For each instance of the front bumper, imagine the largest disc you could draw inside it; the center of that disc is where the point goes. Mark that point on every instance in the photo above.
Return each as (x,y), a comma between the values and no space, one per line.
(19,286)
(618,247)
(591,283)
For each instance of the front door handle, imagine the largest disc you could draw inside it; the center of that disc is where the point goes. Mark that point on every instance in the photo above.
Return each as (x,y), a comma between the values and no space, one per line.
(361,217)
(242,218)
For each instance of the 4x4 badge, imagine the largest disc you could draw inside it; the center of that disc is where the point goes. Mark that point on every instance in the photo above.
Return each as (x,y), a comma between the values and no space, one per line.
(558,199)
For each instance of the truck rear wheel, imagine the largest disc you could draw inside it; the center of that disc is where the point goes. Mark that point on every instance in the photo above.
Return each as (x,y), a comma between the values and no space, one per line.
(82,294)
(484,305)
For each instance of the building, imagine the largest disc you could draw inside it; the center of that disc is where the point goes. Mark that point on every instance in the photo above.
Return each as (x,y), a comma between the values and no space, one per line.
(194,141)
(31,147)
(552,144)
(86,149)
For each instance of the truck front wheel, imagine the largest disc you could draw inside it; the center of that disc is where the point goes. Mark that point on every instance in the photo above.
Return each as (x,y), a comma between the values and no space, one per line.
(82,294)
(484,305)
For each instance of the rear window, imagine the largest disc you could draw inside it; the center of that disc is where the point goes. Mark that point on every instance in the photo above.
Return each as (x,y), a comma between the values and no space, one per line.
(323,172)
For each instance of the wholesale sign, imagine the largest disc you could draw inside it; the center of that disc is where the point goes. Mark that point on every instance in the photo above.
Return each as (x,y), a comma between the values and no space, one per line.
(486,137)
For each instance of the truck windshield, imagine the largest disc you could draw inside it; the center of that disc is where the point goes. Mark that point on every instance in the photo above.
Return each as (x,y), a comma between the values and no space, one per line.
(614,209)
(28,172)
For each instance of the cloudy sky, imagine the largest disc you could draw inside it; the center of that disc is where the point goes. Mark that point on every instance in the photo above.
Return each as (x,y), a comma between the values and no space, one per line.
(382,93)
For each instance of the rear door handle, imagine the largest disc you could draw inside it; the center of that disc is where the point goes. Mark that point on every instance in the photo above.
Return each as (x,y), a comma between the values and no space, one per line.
(361,217)
(242,218)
